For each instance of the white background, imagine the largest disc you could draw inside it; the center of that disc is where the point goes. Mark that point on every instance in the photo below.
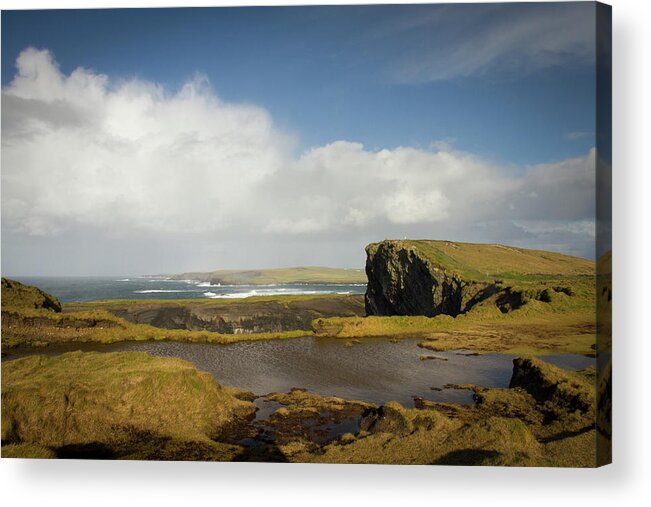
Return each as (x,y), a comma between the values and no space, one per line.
(626,482)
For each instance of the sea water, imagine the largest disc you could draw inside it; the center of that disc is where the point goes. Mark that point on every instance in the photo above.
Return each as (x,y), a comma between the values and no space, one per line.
(81,289)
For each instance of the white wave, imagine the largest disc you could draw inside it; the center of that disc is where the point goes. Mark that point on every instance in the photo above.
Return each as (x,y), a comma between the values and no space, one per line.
(123,280)
(232,295)
(152,291)
(210,294)
(204,284)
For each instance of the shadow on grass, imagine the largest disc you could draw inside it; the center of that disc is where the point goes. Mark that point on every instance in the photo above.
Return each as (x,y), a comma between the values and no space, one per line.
(468,457)
(266,453)
(92,450)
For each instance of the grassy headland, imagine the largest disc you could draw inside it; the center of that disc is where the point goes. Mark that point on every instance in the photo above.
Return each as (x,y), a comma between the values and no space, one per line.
(480,261)
(298,275)
(475,296)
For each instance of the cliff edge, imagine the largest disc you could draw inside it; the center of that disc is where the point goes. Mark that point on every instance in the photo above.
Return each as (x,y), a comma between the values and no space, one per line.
(426,277)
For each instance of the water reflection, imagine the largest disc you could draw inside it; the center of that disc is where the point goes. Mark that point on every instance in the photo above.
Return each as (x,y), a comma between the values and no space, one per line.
(374,370)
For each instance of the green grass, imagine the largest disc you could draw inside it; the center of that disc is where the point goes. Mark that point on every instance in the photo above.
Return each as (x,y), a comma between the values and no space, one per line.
(135,406)
(505,427)
(478,261)
(278,276)
(548,300)
(564,323)
(129,404)
(18,295)
(279,298)
(40,327)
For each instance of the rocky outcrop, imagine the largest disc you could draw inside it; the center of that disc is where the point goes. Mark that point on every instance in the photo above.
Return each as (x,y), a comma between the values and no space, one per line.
(402,281)
(19,295)
(431,278)
(250,315)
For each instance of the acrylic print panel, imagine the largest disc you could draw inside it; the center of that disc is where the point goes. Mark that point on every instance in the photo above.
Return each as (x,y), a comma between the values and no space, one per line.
(338,234)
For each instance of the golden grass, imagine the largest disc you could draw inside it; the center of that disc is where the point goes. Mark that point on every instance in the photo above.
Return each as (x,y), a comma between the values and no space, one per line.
(478,260)
(39,328)
(573,332)
(110,400)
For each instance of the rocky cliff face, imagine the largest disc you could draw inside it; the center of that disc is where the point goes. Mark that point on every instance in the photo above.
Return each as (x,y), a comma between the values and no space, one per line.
(265,315)
(401,281)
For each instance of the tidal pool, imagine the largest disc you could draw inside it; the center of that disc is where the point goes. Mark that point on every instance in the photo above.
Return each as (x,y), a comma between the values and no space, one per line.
(374,370)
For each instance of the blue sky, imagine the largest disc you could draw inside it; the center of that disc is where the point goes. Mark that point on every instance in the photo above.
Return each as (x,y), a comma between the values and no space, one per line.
(261,137)
(295,61)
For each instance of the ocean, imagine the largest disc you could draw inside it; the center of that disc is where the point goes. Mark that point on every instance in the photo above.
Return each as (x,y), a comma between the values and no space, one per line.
(80,289)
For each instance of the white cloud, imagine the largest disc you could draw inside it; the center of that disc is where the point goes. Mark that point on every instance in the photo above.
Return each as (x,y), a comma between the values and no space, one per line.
(491,39)
(128,155)
(80,152)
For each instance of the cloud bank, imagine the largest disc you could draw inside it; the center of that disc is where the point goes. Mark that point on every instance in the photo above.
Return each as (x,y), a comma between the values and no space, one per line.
(125,159)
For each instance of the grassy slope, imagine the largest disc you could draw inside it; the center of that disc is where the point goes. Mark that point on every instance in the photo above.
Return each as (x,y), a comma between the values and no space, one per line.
(18,295)
(129,405)
(38,328)
(278,276)
(207,302)
(478,261)
(564,323)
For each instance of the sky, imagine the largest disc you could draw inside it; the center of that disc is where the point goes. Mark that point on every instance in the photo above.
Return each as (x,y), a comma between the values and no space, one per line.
(140,141)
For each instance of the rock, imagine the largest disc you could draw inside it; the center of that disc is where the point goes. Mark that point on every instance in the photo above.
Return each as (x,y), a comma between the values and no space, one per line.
(257,315)
(402,281)
(427,277)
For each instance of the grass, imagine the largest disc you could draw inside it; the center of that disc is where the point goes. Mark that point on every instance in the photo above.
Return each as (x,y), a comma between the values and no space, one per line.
(284,299)
(40,327)
(135,406)
(541,302)
(213,320)
(18,295)
(570,333)
(113,404)
(563,323)
(506,427)
(478,261)
(278,276)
